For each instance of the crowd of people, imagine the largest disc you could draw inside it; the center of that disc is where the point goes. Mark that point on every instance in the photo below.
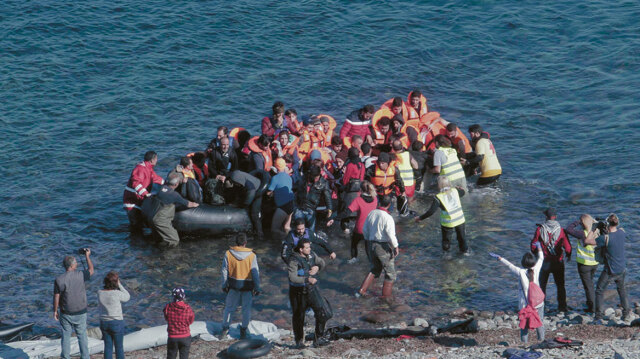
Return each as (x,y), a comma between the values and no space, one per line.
(302,172)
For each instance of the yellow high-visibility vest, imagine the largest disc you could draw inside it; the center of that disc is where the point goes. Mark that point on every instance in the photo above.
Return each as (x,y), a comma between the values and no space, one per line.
(586,254)
(404,166)
(452,169)
(452,216)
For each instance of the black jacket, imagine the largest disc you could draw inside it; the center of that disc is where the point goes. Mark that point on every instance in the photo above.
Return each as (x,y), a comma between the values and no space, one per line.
(222,164)
(290,241)
(308,195)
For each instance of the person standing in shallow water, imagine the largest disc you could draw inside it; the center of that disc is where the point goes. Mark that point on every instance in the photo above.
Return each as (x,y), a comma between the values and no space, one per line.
(451,216)
(556,247)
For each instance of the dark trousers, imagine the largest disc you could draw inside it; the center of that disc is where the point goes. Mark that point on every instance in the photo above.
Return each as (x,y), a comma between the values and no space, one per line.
(587,273)
(355,239)
(175,345)
(113,334)
(255,213)
(483,181)
(135,220)
(557,269)
(299,303)
(603,282)
(447,236)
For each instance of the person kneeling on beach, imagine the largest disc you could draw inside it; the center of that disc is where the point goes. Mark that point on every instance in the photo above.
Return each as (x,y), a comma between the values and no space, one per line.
(179,317)
(241,281)
(530,295)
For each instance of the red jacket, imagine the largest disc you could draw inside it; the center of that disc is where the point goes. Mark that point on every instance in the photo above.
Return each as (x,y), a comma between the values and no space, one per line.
(560,246)
(352,171)
(355,125)
(139,185)
(269,130)
(179,317)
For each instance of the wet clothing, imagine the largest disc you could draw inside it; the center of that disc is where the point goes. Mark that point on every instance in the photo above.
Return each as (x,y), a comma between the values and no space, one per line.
(355,124)
(418,173)
(179,317)
(299,290)
(489,164)
(292,239)
(160,221)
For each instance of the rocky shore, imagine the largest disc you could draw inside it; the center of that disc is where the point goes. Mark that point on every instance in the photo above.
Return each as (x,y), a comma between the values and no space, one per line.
(462,334)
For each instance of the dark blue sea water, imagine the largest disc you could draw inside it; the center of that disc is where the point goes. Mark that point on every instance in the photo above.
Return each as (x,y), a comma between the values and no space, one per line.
(87,87)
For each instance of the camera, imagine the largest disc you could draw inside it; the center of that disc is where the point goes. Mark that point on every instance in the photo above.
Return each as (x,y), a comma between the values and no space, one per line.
(601,225)
(82,250)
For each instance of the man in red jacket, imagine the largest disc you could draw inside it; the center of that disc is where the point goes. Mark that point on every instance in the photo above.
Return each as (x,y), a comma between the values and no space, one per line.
(179,317)
(139,187)
(555,246)
(358,123)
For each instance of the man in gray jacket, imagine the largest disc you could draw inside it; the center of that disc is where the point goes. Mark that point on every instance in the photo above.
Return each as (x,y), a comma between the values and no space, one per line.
(70,296)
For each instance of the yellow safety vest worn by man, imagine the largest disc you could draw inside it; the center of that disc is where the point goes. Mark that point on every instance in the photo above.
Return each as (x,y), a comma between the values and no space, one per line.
(451,216)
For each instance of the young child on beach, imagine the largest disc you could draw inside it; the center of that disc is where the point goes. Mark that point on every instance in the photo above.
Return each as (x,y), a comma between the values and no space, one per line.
(529,293)
(179,317)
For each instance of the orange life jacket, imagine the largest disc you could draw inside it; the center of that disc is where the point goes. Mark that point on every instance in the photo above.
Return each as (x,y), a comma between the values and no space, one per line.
(379,136)
(234,132)
(307,142)
(429,129)
(461,137)
(423,104)
(332,126)
(384,180)
(252,145)
(408,112)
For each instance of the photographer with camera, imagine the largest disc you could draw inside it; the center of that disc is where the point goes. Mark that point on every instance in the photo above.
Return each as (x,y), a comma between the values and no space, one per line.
(70,296)
(585,256)
(241,281)
(611,243)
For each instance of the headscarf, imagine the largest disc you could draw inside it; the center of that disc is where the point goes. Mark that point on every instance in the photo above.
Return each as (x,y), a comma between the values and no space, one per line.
(178,294)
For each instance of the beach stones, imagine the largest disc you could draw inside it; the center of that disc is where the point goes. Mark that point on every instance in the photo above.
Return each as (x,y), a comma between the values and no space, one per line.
(420,322)
(377,317)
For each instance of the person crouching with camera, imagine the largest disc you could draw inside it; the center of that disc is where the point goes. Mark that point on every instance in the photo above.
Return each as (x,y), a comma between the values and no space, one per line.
(70,296)
(611,242)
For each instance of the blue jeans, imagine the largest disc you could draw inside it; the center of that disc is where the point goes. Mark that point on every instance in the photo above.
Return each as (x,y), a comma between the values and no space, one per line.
(235,297)
(309,216)
(77,323)
(113,333)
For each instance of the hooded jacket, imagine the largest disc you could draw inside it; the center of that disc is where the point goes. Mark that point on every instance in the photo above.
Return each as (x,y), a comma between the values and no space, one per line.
(554,241)
(240,269)
(179,317)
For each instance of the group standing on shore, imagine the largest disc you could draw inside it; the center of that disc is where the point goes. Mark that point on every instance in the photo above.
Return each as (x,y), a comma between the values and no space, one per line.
(304,173)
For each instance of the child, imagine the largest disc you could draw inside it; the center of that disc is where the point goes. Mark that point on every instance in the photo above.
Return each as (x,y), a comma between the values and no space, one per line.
(528,278)
(179,317)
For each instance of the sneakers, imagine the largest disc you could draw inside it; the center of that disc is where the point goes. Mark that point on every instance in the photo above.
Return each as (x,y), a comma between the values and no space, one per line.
(357,294)
(352,260)
(626,316)
(299,345)
(467,253)
(223,334)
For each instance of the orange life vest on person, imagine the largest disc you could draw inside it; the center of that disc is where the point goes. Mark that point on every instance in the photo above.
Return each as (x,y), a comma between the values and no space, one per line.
(332,126)
(430,128)
(379,136)
(408,112)
(307,142)
(461,137)
(414,124)
(384,180)
(234,132)
(252,145)
(423,105)
(295,124)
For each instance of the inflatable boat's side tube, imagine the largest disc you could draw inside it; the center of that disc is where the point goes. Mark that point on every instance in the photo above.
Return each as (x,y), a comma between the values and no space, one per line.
(10,331)
(208,219)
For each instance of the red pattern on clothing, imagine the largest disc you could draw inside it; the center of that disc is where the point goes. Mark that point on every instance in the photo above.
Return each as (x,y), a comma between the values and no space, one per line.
(179,317)
(142,177)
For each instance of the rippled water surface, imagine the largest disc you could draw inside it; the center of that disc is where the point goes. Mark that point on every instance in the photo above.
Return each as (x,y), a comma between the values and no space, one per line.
(87,87)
